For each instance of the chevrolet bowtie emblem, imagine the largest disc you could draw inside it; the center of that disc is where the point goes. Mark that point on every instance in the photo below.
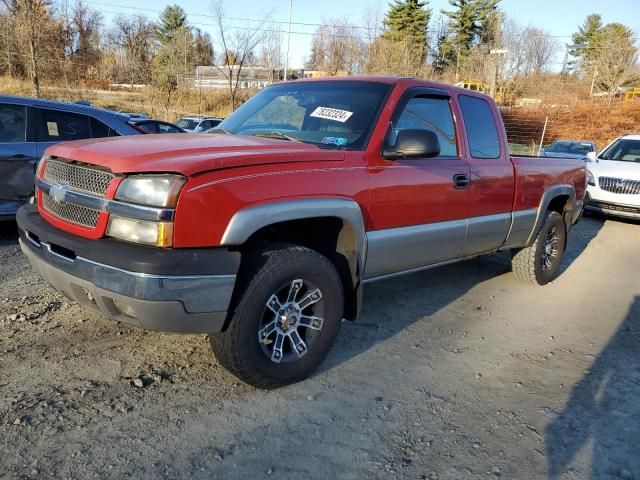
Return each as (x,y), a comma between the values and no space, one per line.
(58,192)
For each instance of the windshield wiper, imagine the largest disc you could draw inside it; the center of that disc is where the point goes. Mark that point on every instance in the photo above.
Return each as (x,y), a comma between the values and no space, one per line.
(277,135)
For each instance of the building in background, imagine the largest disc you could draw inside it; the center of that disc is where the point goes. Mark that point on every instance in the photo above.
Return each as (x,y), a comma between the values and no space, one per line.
(211,77)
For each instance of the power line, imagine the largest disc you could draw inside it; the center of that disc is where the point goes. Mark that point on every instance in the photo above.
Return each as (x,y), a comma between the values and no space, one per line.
(282,22)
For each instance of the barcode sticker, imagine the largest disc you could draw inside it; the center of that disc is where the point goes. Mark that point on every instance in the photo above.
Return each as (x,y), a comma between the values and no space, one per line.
(331,114)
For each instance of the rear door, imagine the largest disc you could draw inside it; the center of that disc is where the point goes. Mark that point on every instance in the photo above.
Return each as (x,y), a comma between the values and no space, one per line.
(492,184)
(18,154)
(418,206)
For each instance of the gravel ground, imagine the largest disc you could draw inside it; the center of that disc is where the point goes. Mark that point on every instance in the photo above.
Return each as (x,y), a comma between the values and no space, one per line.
(459,372)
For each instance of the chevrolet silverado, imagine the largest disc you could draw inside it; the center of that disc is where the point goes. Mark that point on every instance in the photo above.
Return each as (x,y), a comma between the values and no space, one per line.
(263,233)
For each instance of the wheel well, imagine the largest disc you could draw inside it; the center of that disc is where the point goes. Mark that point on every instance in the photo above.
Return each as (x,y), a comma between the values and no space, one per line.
(562,204)
(559,204)
(329,236)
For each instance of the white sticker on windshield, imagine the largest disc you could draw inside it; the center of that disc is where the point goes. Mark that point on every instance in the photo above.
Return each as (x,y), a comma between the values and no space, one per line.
(331,114)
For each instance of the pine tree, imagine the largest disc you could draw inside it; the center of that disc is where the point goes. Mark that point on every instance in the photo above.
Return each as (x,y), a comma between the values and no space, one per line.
(583,41)
(172,20)
(407,22)
(471,21)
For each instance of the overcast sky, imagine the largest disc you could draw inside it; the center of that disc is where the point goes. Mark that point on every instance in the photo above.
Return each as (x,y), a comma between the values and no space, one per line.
(558,17)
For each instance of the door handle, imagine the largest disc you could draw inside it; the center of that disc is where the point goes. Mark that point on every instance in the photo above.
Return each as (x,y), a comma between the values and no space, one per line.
(461,181)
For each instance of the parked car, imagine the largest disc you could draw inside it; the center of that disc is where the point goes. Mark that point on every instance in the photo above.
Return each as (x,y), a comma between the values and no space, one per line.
(137,116)
(28,126)
(198,124)
(571,149)
(614,179)
(155,126)
(263,234)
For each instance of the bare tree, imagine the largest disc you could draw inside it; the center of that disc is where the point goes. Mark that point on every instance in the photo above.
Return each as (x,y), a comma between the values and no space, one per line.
(29,15)
(132,40)
(9,62)
(271,55)
(87,24)
(336,47)
(238,47)
(540,48)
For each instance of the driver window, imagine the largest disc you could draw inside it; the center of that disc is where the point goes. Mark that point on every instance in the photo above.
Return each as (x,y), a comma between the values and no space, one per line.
(282,112)
(429,113)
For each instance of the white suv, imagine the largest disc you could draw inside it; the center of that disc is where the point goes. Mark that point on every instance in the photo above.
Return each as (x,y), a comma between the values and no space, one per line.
(613,179)
(198,124)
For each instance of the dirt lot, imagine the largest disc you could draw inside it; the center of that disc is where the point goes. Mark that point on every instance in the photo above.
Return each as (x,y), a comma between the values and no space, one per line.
(460,372)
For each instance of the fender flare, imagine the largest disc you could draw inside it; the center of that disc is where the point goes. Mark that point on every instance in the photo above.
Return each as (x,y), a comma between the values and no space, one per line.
(547,197)
(351,243)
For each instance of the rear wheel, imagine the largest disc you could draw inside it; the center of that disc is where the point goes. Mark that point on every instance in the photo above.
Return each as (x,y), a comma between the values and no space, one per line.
(539,263)
(287,316)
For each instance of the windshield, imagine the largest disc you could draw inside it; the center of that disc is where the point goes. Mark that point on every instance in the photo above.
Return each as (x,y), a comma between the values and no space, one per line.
(331,114)
(623,151)
(187,123)
(575,148)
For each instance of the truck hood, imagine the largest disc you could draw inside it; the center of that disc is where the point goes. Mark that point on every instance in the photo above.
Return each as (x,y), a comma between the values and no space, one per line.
(612,168)
(188,154)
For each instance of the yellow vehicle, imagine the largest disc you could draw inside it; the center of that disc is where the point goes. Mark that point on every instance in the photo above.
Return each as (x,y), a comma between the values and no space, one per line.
(500,96)
(633,94)
(475,85)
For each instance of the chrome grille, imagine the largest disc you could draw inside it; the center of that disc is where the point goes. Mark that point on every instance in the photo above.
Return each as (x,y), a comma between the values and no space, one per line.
(78,177)
(620,185)
(72,213)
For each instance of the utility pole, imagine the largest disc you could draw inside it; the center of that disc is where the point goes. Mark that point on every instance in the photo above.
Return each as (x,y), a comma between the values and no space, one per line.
(593,81)
(495,58)
(286,57)
(184,75)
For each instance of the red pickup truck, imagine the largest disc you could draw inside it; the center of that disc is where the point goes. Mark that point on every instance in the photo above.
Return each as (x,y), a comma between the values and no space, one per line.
(263,233)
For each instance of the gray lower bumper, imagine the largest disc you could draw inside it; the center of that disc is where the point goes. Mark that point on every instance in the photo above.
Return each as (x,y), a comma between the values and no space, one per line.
(188,304)
(614,210)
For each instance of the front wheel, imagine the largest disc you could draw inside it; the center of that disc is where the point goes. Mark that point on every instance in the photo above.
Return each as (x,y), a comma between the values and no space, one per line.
(539,263)
(287,315)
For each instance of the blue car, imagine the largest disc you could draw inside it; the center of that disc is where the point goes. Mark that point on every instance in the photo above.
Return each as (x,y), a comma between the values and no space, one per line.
(571,149)
(29,125)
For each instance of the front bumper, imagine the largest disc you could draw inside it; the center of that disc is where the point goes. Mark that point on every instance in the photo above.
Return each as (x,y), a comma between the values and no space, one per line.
(8,209)
(177,290)
(607,207)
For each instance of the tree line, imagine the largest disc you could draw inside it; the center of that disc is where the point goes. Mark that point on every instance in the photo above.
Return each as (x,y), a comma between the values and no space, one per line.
(471,39)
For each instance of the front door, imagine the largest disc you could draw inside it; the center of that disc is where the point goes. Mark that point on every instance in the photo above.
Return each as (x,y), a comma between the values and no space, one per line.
(418,207)
(18,156)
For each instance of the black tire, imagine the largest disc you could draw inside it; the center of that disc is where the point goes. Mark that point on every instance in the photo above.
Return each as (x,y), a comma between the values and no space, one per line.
(535,264)
(263,274)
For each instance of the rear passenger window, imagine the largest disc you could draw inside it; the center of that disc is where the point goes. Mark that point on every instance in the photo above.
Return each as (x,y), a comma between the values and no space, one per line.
(429,113)
(480,126)
(99,129)
(57,126)
(13,123)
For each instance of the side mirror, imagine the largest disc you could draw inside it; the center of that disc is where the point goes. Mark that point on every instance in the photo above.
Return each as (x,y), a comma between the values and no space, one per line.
(413,144)
(591,156)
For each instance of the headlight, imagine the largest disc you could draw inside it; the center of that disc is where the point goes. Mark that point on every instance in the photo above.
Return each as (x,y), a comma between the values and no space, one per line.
(153,190)
(159,234)
(590,178)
